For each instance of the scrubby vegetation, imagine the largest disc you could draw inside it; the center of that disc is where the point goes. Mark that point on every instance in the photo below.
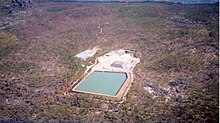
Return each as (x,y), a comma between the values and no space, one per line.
(56,9)
(178,46)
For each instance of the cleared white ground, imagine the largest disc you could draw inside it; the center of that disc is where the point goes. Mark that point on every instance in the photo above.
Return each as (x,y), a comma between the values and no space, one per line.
(87,53)
(125,57)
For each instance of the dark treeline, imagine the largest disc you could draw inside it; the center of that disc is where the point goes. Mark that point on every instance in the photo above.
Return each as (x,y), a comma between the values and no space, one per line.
(134,1)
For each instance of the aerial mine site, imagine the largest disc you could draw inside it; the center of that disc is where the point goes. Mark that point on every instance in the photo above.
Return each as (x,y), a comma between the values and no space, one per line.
(102,61)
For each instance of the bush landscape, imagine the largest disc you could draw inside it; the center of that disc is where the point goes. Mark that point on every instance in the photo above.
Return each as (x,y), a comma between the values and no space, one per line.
(178,47)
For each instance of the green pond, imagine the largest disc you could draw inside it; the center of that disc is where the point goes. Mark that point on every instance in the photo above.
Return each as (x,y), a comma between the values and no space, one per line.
(108,83)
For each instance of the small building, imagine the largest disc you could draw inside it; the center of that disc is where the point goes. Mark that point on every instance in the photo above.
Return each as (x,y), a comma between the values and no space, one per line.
(119,64)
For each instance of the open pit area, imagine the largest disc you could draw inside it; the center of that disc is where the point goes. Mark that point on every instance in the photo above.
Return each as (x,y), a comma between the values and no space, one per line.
(168,53)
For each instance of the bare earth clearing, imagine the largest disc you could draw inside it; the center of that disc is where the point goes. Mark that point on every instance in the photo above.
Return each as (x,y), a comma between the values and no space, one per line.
(175,81)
